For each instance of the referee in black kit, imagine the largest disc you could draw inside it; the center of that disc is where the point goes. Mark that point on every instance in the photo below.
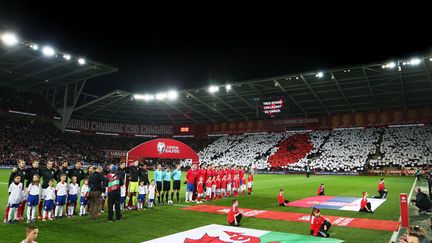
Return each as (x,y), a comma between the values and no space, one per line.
(166,184)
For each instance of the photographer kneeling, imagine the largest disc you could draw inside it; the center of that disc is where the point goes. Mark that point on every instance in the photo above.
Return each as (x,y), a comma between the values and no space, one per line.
(422,202)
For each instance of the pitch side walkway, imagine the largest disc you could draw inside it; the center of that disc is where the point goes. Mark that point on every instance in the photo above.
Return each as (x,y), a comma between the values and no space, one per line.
(386,225)
(415,218)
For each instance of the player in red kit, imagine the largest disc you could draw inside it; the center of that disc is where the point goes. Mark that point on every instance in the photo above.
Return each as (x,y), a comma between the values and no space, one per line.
(218,186)
(232,172)
(215,172)
(243,186)
(236,171)
(236,184)
(229,185)
(223,186)
(208,172)
(241,175)
(320,191)
(224,171)
(208,188)
(200,173)
(190,177)
(250,182)
(365,206)
(200,190)
(203,172)
(213,195)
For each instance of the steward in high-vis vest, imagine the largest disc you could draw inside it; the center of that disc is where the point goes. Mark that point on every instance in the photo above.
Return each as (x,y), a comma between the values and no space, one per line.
(114,183)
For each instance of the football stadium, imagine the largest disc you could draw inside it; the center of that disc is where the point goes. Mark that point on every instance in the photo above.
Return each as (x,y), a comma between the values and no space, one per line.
(332,155)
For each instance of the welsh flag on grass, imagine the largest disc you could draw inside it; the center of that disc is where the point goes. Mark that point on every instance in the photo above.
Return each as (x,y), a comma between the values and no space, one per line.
(223,234)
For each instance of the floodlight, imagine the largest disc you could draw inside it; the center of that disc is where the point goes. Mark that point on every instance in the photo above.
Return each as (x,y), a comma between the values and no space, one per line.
(172,95)
(9,39)
(390,65)
(161,96)
(48,51)
(138,97)
(415,61)
(67,57)
(213,89)
(148,97)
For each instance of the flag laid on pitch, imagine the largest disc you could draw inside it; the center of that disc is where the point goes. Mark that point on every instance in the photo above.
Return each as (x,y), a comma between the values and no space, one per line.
(222,234)
(338,203)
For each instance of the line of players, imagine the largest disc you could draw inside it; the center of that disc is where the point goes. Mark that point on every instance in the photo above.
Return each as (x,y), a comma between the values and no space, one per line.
(213,183)
(216,182)
(25,189)
(54,199)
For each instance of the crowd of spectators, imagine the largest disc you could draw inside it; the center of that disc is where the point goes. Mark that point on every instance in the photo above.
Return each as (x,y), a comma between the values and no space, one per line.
(28,138)
(24,102)
(291,150)
(250,150)
(405,147)
(347,150)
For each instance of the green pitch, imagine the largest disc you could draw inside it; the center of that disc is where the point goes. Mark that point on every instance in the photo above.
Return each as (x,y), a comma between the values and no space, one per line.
(160,221)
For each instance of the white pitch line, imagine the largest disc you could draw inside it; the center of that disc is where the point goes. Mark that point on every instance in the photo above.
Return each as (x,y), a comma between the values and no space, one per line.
(181,205)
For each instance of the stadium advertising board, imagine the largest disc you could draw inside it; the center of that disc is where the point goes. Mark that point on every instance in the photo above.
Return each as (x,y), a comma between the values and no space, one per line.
(119,128)
(395,172)
(296,121)
(273,172)
(286,172)
(337,173)
(162,148)
(115,153)
(6,166)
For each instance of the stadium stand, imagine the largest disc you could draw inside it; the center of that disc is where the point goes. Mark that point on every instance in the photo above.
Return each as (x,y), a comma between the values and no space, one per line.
(336,151)
(31,138)
(241,150)
(24,102)
(347,150)
(405,147)
(291,150)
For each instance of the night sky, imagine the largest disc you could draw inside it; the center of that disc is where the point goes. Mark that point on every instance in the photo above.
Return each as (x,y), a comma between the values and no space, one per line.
(158,50)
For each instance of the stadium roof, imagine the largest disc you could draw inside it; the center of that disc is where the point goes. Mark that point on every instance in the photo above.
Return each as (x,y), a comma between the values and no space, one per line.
(25,65)
(394,84)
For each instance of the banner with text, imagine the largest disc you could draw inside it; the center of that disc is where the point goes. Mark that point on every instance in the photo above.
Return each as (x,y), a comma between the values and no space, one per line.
(115,153)
(119,128)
